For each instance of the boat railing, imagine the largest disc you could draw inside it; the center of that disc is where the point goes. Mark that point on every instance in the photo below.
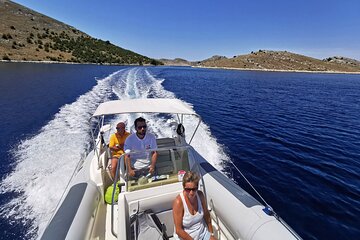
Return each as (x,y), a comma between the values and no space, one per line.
(97,132)
(267,208)
(99,143)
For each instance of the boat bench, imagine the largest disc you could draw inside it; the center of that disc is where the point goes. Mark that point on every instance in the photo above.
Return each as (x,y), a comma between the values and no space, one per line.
(159,200)
(166,218)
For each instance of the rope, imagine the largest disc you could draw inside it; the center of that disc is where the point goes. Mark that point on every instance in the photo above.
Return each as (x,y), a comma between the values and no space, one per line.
(266,204)
(267,208)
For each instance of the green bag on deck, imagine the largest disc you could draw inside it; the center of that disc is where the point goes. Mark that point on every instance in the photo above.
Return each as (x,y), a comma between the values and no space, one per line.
(109,192)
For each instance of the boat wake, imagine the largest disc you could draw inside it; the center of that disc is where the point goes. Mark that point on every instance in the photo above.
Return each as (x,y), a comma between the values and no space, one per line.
(46,161)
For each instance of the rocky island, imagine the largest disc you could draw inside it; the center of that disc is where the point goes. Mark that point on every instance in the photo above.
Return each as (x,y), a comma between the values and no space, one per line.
(267,60)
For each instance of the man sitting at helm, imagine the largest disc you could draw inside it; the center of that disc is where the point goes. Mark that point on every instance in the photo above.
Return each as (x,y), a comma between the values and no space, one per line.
(141,162)
(116,145)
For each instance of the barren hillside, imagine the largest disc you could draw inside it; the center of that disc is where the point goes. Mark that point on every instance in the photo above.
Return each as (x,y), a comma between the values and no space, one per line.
(282,60)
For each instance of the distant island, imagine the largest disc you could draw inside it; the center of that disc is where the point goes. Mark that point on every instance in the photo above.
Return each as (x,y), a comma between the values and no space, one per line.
(267,60)
(26,35)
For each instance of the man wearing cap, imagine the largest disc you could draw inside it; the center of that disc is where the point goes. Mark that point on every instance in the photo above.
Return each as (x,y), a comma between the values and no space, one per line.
(116,145)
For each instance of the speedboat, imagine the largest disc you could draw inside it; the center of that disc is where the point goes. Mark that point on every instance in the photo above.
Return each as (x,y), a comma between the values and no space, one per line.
(137,207)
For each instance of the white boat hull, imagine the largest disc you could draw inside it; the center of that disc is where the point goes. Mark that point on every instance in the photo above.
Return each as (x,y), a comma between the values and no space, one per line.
(83,213)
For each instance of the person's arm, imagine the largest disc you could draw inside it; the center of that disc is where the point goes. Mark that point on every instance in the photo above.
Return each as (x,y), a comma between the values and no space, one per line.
(122,142)
(121,146)
(153,162)
(127,147)
(112,144)
(128,166)
(154,155)
(178,213)
(207,216)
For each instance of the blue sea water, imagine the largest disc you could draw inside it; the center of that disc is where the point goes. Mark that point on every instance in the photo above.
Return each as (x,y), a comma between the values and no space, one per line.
(295,136)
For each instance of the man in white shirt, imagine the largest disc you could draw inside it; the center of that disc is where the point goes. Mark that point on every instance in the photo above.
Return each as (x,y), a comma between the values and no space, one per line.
(141,162)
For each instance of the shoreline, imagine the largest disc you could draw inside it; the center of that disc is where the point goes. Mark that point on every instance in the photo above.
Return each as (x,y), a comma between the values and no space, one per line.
(224,68)
(278,70)
(55,62)
(47,62)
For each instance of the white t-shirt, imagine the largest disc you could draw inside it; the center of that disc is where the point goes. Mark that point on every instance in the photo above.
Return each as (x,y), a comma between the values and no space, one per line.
(134,143)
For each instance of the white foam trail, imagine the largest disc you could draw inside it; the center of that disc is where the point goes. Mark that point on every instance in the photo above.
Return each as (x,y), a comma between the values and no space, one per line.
(46,161)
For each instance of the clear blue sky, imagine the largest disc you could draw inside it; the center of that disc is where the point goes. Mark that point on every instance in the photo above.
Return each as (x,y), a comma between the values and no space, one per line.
(198,29)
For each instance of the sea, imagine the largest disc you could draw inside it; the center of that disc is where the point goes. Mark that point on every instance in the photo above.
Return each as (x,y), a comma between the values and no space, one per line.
(294,136)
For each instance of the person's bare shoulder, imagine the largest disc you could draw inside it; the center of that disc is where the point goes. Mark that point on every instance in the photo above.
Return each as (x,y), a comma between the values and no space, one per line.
(201,194)
(202,197)
(177,202)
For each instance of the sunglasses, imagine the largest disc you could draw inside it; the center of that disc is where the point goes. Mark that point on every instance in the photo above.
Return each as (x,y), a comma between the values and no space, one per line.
(191,189)
(119,128)
(141,127)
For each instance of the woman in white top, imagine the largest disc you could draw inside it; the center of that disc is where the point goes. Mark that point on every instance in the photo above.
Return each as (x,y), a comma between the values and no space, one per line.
(191,216)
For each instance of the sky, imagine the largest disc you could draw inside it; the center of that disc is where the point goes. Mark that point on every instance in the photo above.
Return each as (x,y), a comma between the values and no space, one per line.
(198,29)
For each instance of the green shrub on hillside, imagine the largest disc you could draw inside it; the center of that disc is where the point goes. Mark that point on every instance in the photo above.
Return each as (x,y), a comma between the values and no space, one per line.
(6,36)
(85,49)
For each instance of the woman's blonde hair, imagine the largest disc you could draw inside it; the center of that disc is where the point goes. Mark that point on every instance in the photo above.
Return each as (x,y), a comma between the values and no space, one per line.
(191,176)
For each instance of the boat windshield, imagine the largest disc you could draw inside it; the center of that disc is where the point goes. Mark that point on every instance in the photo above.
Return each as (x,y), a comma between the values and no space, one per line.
(171,164)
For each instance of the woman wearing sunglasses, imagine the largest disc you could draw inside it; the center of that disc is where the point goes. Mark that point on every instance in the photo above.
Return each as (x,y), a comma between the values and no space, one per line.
(191,216)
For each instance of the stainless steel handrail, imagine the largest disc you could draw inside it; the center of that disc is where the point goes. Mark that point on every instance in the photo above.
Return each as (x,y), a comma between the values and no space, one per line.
(121,159)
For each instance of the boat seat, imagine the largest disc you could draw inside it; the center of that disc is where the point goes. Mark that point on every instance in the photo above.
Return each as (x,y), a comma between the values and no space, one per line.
(147,225)
(166,218)
(158,200)
(165,163)
(172,160)
(165,142)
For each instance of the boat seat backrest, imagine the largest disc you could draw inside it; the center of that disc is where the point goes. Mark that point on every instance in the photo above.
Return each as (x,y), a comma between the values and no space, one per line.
(172,160)
(165,142)
(157,203)
(147,225)
(165,162)
(164,222)
(158,199)
(166,159)
(166,218)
